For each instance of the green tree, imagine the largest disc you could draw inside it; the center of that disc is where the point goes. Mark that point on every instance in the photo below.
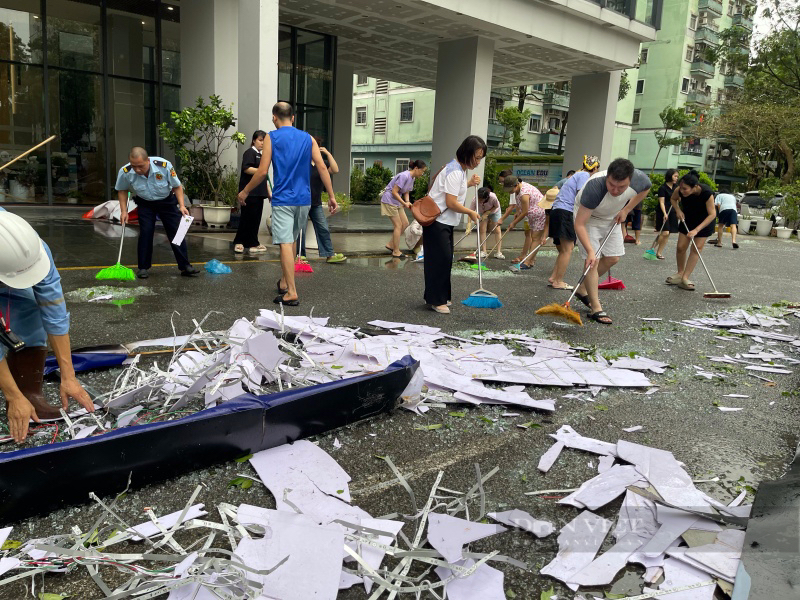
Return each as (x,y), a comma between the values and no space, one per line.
(673,119)
(374,182)
(200,135)
(513,120)
(624,86)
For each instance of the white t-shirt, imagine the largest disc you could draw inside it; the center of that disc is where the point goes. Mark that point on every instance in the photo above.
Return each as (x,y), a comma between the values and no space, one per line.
(451,180)
(595,196)
(725,201)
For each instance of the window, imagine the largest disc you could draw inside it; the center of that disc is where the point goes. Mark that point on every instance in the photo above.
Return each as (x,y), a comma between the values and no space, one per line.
(360,164)
(730,9)
(400,165)
(643,57)
(535,124)
(693,21)
(407,112)
(362,80)
(676,149)
(685,85)
(361,115)
(689,54)
(538,87)
(637,114)
(632,147)
(554,124)
(379,126)
(640,86)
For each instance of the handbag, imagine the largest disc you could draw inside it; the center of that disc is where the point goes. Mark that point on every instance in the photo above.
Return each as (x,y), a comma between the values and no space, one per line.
(425,209)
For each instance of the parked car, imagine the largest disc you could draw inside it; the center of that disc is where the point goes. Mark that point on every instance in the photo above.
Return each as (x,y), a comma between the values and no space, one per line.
(759,200)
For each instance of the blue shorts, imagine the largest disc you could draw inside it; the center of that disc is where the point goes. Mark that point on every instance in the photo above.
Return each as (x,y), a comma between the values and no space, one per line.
(287,222)
(728,217)
(493,217)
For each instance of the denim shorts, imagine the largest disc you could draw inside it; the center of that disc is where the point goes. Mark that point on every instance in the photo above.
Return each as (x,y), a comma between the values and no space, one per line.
(287,222)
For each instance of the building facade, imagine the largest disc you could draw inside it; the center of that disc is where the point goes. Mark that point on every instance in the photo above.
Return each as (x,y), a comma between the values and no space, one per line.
(101,75)
(677,69)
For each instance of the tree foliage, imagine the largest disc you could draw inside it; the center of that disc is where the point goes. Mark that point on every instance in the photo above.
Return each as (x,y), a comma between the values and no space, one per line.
(366,187)
(624,86)
(513,120)
(673,119)
(200,136)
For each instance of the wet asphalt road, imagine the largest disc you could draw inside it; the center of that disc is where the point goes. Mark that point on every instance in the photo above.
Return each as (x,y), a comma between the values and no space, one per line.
(753,444)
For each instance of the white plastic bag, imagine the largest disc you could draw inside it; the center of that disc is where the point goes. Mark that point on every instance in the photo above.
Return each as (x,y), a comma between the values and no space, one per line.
(413,234)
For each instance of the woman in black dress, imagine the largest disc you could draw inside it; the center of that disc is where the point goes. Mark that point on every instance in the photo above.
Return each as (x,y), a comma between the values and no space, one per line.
(696,214)
(250,220)
(664,211)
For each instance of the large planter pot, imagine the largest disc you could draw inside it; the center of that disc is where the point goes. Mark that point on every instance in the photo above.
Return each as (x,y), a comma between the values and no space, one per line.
(197,212)
(20,192)
(217,216)
(763,227)
(783,233)
(744,225)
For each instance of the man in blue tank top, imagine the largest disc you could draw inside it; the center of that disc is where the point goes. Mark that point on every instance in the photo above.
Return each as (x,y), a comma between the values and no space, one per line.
(290,151)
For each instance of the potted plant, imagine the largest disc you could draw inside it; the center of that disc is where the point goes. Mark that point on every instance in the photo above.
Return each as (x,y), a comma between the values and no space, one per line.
(26,178)
(201,136)
(789,209)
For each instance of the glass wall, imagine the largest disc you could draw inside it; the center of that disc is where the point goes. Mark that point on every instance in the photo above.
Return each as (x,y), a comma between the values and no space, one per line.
(99,75)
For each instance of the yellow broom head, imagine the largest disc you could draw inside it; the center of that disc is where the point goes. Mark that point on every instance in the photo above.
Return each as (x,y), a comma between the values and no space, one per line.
(561,311)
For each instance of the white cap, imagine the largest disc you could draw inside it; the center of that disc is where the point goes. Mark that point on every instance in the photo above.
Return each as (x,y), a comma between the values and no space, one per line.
(23,259)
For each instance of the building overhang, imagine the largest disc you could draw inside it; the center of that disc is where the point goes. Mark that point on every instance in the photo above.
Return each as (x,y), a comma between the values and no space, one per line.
(536,41)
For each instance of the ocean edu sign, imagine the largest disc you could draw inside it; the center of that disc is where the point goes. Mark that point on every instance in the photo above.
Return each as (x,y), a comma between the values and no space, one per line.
(541,175)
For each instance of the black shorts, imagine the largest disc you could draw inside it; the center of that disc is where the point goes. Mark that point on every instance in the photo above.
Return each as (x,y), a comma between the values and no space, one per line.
(562,226)
(728,217)
(635,219)
(707,231)
(672,222)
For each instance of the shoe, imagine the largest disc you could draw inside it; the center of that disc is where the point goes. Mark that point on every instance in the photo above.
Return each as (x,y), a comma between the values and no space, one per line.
(190,272)
(142,274)
(499,255)
(523,267)
(27,369)
(735,246)
(444,310)
(279,300)
(629,239)
(260,249)
(281,291)
(238,248)
(483,254)
(713,241)
(337,258)
(420,257)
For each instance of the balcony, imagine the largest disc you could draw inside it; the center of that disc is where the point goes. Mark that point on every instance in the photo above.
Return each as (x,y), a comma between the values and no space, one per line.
(699,97)
(734,81)
(702,69)
(743,21)
(711,6)
(556,100)
(548,142)
(496,131)
(707,35)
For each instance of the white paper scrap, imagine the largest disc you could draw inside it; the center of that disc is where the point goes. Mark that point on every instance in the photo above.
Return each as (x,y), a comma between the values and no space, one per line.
(523,520)
(448,535)
(603,569)
(578,543)
(4,533)
(183,228)
(149,529)
(678,575)
(6,564)
(549,458)
(486,583)
(633,429)
(729,409)
(603,488)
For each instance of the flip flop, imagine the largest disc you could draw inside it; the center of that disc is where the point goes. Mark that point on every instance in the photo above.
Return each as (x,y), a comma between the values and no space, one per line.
(279,300)
(566,286)
(735,246)
(391,250)
(686,285)
(584,298)
(660,256)
(600,314)
(524,267)
(673,280)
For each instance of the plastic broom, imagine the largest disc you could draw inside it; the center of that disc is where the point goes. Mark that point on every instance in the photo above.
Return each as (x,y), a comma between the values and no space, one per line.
(482,298)
(563,311)
(300,264)
(651,253)
(716,293)
(118,271)
(611,283)
(517,267)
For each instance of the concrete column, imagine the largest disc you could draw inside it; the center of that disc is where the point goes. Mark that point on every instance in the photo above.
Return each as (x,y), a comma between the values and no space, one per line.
(463,87)
(342,126)
(592,114)
(210,54)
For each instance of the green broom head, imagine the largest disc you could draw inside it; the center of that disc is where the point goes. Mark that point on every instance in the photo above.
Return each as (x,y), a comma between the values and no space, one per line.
(482,267)
(650,254)
(482,299)
(118,272)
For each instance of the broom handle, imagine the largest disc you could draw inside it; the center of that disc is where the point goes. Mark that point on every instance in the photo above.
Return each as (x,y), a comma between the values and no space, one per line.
(478,254)
(121,240)
(701,260)
(463,237)
(532,251)
(664,224)
(24,154)
(586,272)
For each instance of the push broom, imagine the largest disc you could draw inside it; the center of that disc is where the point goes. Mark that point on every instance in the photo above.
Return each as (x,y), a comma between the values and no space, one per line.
(651,253)
(118,272)
(716,293)
(518,267)
(563,310)
(300,264)
(482,298)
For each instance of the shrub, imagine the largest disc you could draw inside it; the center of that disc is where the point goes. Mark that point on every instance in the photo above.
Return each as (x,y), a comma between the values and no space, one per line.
(421,186)
(356,185)
(375,179)
(650,203)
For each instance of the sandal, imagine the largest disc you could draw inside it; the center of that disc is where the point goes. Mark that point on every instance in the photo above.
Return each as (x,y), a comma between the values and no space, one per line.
(337,258)
(686,285)
(279,300)
(260,249)
(566,286)
(584,298)
(391,250)
(444,310)
(281,291)
(735,246)
(239,249)
(672,280)
(600,317)
(660,256)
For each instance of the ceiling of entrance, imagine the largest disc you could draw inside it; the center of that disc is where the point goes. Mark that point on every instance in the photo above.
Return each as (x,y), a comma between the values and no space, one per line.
(397,40)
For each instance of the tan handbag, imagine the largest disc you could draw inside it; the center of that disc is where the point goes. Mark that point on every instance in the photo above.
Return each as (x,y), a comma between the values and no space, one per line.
(425,210)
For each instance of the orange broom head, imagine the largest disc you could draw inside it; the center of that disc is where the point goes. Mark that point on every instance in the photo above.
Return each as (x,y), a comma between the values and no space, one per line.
(561,311)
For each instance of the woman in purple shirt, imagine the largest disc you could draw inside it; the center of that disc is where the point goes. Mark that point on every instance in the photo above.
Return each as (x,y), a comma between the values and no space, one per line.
(395,197)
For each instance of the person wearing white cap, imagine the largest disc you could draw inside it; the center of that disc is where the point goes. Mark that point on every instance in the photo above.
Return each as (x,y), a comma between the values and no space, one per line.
(33,312)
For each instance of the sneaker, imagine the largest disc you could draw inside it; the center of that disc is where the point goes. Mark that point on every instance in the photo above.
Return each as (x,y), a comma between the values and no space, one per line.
(484,254)
(190,272)
(142,274)
(499,255)
(420,257)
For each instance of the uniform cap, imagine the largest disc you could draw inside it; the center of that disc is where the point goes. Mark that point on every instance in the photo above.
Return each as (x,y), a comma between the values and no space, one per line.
(23,259)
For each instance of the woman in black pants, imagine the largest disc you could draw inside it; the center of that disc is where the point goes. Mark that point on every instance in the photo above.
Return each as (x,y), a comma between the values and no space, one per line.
(252,208)
(449,191)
